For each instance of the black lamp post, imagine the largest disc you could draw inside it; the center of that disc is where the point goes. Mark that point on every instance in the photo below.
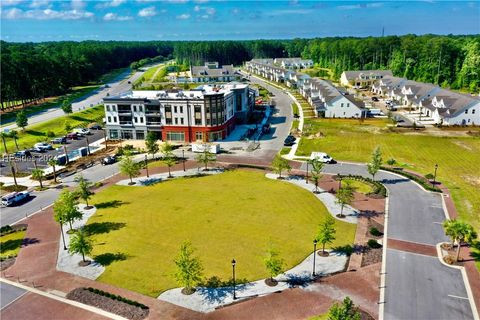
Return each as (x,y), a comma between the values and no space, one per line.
(146,165)
(306,177)
(63,236)
(233,271)
(314,254)
(183,156)
(435,175)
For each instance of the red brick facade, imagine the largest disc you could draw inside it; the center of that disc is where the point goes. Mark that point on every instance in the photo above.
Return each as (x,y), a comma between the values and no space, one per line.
(191,132)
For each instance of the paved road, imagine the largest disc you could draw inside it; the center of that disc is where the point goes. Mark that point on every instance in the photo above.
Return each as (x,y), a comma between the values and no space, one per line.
(9,294)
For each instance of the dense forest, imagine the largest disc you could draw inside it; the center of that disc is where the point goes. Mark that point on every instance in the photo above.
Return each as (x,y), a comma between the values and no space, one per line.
(32,71)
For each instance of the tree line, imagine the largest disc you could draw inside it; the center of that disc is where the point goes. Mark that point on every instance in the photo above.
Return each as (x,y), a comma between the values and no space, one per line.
(32,71)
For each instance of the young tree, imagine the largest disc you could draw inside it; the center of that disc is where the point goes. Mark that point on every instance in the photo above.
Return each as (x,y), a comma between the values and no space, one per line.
(66,207)
(129,167)
(81,244)
(450,228)
(206,157)
(53,163)
(21,120)
(459,232)
(38,174)
(66,107)
(83,189)
(280,164)
(14,135)
(273,263)
(344,311)
(189,268)
(60,216)
(4,136)
(326,232)
(169,161)
(375,162)
(317,167)
(67,127)
(344,196)
(151,144)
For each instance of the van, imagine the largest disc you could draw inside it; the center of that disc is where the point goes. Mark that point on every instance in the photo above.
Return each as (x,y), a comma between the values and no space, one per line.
(14,197)
(322,157)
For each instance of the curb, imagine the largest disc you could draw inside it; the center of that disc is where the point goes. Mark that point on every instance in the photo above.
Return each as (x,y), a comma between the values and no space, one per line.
(381,302)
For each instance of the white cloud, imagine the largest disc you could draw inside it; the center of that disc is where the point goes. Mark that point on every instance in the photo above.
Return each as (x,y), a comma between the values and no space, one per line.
(115,17)
(47,14)
(39,3)
(290,11)
(78,4)
(6,3)
(361,6)
(208,11)
(184,16)
(147,12)
(196,8)
(111,4)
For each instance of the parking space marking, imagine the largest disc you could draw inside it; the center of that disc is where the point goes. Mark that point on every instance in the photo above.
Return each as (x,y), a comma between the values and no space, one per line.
(458,297)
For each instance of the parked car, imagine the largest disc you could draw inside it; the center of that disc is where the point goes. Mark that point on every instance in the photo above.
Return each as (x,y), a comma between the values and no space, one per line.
(289,141)
(43,145)
(81,131)
(59,140)
(38,149)
(14,198)
(391,107)
(375,99)
(72,136)
(96,127)
(109,160)
(322,157)
(23,154)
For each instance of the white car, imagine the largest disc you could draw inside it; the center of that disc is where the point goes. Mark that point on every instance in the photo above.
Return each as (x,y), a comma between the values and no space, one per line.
(43,146)
(322,157)
(81,131)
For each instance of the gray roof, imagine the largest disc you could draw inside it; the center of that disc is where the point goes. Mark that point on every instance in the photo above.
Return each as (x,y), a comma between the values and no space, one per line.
(203,71)
(353,75)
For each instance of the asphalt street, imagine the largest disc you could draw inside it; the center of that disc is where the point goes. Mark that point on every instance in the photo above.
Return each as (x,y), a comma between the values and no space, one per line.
(9,293)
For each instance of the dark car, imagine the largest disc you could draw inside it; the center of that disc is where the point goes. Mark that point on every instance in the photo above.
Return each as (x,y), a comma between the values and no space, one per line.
(72,136)
(23,154)
(96,127)
(289,141)
(60,140)
(109,160)
(375,99)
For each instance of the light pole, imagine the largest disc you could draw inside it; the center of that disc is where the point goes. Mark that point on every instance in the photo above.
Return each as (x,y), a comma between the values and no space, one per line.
(233,271)
(183,156)
(88,145)
(63,236)
(314,254)
(306,177)
(435,175)
(146,165)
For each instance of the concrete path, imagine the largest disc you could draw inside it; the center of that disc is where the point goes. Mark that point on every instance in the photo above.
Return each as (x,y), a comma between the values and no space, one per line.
(208,299)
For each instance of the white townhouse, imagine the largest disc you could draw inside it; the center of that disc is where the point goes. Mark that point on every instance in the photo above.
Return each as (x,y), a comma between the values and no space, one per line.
(213,72)
(413,92)
(387,84)
(293,63)
(362,78)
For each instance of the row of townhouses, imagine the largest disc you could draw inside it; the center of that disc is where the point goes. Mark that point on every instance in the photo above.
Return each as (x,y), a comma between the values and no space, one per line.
(208,113)
(209,72)
(325,98)
(443,106)
(363,78)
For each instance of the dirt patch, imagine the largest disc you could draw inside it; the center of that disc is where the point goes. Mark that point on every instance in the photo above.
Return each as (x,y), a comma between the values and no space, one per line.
(114,306)
(472,180)
(371,256)
(463,145)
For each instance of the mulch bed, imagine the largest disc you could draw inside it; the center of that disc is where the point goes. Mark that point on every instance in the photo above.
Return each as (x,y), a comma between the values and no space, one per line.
(114,306)
(374,224)
(5,264)
(371,256)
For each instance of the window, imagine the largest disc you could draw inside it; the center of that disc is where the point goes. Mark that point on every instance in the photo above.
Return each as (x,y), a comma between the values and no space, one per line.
(135,109)
(175,109)
(176,120)
(135,119)
(473,111)
(141,119)
(140,108)
(348,104)
(109,119)
(114,108)
(466,111)
(341,105)
(181,120)
(199,136)
(113,134)
(181,109)
(175,136)
(108,107)
(114,119)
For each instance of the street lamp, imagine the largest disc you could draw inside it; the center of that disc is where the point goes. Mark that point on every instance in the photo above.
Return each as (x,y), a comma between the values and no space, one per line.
(146,165)
(183,156)
(233,271)
(63,236)
(314,254)
(306,177)
(435,175)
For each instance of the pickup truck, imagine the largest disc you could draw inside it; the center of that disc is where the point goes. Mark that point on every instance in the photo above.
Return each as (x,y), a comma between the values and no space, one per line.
(14,198)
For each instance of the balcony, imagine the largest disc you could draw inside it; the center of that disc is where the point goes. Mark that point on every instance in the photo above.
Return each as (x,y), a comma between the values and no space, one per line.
(126,123)
(154,124)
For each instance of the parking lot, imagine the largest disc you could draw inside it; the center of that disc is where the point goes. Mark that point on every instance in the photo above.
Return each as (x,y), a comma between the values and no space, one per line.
(27,164)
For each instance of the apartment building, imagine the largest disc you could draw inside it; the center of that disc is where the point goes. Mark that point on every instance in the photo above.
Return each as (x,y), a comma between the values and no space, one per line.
(293,63)
(208,113)
(213,72)
(363,78)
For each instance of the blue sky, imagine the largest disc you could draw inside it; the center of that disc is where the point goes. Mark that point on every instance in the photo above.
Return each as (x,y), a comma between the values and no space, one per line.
(47,20)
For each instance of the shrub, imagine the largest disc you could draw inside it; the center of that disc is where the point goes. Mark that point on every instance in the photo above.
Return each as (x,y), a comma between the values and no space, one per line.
(449,259)
(423,182)
(429,176)
(375,232)
(372,243)
(391,162)
(346,249)
(5,229)
(50,134)
(116,297)
(378,188)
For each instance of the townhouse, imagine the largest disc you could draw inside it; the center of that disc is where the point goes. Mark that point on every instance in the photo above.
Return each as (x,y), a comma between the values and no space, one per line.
(293,63)
(363,78)
(208,113)
(213,72)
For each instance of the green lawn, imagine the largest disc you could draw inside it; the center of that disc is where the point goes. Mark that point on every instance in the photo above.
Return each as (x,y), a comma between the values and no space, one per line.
(10,243)
(37,132)
(138,230)
(359,186)
(458,157)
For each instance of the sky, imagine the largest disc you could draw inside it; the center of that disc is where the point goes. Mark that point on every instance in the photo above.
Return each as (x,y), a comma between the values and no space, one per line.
(77,20)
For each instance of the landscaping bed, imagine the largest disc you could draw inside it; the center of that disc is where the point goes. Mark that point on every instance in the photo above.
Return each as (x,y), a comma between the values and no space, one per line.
(378,190)
(109,302)
(11,240)
(371,256)
(425,183)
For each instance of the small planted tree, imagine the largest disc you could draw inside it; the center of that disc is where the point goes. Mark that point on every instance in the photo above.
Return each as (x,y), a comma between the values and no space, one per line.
(4,136)
(129,167)
(345,197)
(189,268)
(21,120)
(83,189)
(67,127)
(38,174)
(326,233)
(66,207)
(169,161)
(317,167)
(344,311)
(53,163)
(60,216)
(151,144)
(273,264)
(81,244)
(375,163)
(206,157)
(279,165)
(14,135)
(66,107)
(459,232)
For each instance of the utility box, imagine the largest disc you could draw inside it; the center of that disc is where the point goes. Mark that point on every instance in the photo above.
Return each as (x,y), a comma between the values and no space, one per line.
(211,147)
(83,151)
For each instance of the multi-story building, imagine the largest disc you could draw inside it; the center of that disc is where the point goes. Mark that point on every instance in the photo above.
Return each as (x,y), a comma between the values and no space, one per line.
(362,78)
(294,63)
(208,113)
(213,72)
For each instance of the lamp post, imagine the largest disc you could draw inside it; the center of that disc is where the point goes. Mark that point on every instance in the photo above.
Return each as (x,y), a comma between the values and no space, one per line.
(314,254)
(306,177)
(146,165)
(63,236)
(435,175)
(233,271)
(87,145)
(183,157)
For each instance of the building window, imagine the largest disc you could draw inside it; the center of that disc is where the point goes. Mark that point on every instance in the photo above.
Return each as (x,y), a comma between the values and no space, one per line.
(135,119)
(175,136)
(109,119)
(466,111)
(139,135)
(141,119)
(181,109)
(176,120)
(341,105)
(198,122)
(181,120)
(473,111)
(108,107)
(199,136)
(348,104)
(135,109)
(114,119)
(140,108)
(114,108)
(175,109)
(113,134)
